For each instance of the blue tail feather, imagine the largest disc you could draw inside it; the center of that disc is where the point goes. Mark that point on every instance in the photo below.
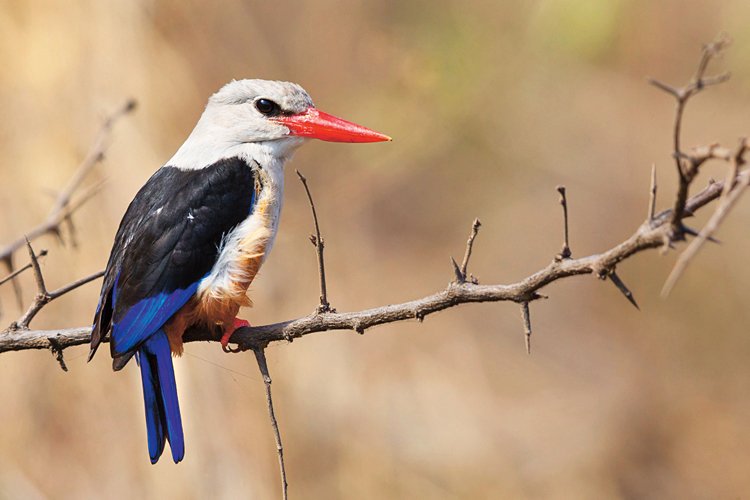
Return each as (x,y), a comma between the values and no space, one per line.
(163,421)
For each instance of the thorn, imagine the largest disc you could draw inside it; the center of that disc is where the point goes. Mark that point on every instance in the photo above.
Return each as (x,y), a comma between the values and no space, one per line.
(58,235)
(460,278)
(526,316)
(71,231)
(624,289)
(692,232)
(130,105)
(652,194)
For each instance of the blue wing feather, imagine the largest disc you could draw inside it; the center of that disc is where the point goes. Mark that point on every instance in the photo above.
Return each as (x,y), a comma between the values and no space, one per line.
(147,316)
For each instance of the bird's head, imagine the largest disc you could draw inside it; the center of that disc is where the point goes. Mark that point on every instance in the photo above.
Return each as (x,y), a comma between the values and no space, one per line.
(264,110)
(277,116)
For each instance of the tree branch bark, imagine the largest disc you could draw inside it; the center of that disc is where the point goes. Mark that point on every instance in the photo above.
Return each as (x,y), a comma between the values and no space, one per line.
(649,235)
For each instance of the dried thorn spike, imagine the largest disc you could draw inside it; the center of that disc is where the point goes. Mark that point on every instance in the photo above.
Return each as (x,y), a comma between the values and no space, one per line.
(692,232)
(526,316)
(624,289)
(460,278)
(652,195)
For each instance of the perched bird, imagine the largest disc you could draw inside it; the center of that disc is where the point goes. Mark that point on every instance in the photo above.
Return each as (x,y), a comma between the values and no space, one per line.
(195,235)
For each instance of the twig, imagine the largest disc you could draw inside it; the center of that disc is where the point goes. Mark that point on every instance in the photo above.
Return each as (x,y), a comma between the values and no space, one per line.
(42,253)
(565,253)
(728,200)
(461,272)
(64,205)
(319,244)
(687,166)
(260,357)
(43,296)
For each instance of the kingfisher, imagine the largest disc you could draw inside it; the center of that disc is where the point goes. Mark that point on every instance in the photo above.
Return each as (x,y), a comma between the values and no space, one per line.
(195,235)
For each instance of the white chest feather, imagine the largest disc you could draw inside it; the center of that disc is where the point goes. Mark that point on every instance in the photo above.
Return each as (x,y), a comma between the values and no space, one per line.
(246,247)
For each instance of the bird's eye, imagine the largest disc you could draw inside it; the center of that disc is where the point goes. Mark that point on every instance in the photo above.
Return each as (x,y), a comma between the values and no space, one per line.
(267,107)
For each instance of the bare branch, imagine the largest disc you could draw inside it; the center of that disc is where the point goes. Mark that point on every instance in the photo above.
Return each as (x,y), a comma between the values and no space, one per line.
(43,296)
(647,236)
(728,200)
(64,205)
(260,357)
(688,165)
(42,253)
(319,244)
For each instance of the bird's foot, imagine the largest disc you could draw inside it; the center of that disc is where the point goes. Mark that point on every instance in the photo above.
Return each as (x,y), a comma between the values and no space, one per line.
(229,331)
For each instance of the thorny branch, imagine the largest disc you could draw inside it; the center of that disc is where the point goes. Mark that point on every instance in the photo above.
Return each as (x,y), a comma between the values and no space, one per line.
(688,165)
(647,236)
(657,231)
(44,296)
(65,206)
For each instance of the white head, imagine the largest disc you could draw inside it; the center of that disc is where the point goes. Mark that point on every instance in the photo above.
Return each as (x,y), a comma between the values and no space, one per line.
(262,120)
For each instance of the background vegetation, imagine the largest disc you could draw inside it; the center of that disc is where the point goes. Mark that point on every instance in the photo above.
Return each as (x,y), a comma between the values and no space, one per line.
(491,104)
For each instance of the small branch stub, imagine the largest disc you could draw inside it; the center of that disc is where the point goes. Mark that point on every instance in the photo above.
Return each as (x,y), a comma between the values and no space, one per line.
(461,272)
(565,253)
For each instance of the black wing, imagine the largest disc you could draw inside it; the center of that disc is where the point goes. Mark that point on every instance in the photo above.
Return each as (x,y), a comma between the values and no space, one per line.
(167,242)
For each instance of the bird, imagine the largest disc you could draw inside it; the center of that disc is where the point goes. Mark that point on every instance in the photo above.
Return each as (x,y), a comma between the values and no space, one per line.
(195,235)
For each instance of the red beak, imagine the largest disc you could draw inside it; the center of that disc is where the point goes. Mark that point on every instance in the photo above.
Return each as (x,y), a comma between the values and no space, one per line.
(319,125)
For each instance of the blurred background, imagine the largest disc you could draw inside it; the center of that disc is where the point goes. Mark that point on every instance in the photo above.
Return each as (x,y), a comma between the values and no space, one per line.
(491,105)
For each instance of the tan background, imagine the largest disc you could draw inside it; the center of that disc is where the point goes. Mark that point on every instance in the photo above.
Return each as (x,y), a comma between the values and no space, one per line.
(491,104)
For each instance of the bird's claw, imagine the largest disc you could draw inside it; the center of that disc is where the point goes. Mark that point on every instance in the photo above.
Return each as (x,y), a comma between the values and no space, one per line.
(228,332)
